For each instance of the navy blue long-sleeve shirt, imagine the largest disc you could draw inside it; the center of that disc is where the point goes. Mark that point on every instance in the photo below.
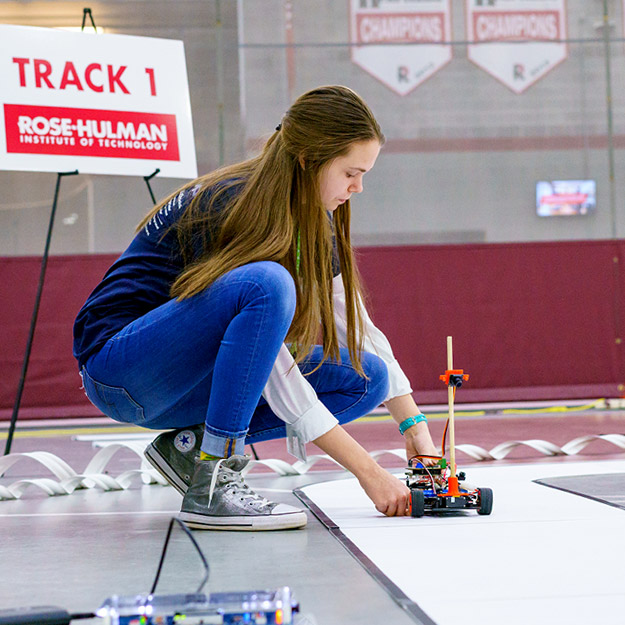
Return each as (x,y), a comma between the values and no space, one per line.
(137,282)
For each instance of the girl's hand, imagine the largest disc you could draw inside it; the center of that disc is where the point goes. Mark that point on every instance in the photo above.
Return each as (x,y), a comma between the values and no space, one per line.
(389,494)
(419,443)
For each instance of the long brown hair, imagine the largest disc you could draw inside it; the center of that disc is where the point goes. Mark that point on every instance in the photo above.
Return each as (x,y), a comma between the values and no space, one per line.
(279,210)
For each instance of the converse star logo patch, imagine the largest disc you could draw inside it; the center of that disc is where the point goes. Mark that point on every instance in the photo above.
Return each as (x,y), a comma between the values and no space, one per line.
(184,441)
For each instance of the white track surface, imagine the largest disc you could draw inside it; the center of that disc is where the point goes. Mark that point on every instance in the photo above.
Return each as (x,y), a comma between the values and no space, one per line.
(543,556)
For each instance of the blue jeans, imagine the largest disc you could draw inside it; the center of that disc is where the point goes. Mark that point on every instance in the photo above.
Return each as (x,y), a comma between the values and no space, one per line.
(207,358)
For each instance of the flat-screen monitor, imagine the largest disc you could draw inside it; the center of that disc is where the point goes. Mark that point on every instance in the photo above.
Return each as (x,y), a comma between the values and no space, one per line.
(564,198)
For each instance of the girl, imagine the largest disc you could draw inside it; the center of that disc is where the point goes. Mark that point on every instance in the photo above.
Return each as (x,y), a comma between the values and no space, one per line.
(208,322)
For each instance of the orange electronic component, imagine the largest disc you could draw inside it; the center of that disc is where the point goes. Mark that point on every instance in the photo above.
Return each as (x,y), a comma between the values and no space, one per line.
(454,377)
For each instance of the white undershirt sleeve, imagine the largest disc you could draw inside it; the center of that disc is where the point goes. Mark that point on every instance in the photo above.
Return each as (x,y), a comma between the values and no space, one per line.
(294,401)
(375,341)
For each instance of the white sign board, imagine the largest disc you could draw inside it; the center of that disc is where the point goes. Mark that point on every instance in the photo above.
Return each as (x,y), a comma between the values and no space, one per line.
(514,62)
(417,31)
(101,104)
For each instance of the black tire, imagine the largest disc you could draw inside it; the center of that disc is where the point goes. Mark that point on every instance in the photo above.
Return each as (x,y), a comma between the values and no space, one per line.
(486,501)
(417,500)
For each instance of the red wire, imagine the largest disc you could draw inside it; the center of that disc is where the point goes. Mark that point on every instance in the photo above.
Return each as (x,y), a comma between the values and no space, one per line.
(444,438)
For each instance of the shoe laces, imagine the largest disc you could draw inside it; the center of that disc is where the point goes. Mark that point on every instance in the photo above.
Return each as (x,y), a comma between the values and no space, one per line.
(236,485)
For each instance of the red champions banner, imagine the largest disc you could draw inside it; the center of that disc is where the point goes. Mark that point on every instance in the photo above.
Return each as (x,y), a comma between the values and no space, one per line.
(517,41)
(416,32)
(101,104)
(90,132)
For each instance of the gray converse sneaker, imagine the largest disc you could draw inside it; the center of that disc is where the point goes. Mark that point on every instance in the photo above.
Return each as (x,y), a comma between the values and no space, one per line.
(173,455)
(219,499)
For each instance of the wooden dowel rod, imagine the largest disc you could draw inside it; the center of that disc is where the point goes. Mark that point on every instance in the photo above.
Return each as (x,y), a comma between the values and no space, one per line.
(450,401)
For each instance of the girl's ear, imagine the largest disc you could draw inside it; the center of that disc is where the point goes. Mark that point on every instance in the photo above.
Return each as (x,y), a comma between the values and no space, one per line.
(302,162)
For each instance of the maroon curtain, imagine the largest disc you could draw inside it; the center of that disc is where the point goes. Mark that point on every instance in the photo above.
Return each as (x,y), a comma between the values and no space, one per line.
(528,320)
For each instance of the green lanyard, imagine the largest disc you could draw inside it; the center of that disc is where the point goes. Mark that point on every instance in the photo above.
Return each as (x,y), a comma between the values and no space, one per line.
(293,348)
(297,258)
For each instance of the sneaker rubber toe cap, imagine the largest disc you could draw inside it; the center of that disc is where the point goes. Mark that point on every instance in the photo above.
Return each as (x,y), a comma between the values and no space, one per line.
(283,508)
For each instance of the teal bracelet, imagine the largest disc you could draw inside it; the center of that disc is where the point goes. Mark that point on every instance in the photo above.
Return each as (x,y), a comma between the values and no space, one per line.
(410,421)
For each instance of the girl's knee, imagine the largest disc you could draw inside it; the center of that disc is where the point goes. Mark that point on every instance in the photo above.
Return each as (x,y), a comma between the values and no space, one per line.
(272,283)
(276,283)
(274,277)
(377,373)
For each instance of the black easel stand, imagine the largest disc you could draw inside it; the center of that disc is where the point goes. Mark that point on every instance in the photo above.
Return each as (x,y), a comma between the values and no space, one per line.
(147,182)
(33,321)
(87,11)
